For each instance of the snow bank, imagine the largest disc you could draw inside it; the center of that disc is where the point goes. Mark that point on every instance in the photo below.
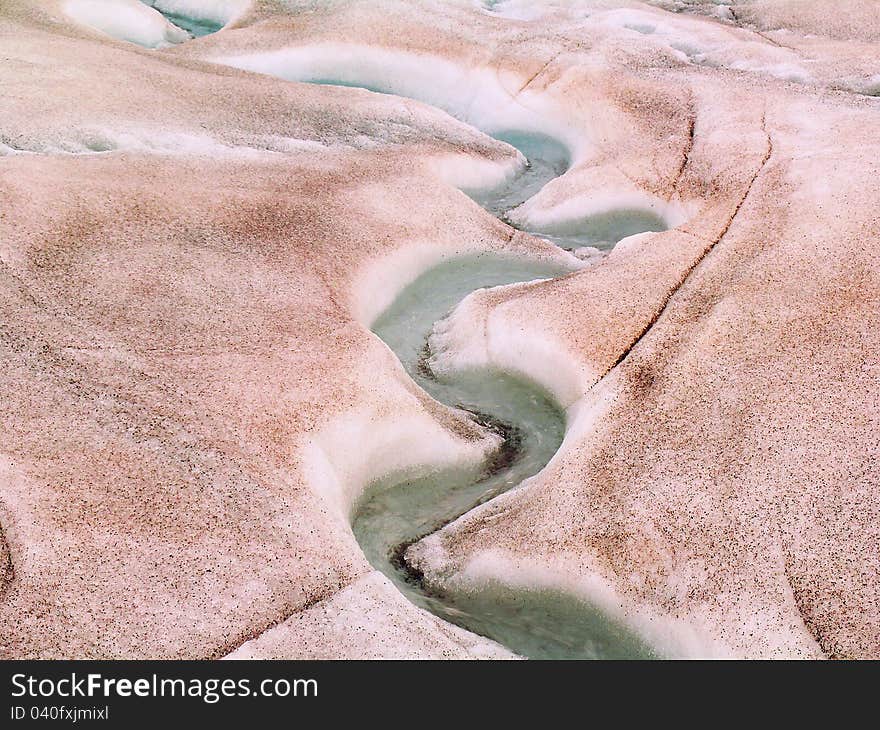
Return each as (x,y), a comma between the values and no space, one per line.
(488,99)
(668,636)
(605,216)
(478,96)
(126,20)
(705,43)
(352,453)
(483,97)
(479,335)
(482,332)
(695,636)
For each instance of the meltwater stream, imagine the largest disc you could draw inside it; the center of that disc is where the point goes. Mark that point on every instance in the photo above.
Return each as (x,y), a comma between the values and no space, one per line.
(547,159)
(394,513)
(196,27)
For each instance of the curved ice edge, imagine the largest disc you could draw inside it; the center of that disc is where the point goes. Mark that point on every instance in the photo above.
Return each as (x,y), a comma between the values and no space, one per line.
(380,282)
(424,77)
(392,445)
(151,24)
(200,17)
(467,340)
(490,571)
(594,218)
(488,107)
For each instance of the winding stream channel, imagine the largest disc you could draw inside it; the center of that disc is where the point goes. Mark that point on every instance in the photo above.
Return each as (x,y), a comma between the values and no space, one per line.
(393,514)
(196,27)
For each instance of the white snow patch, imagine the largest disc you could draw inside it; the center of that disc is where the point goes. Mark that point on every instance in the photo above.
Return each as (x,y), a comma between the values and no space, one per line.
(480,96)
(379,283)
(467,172)
(126,20)
(98,141)
(6,150)
(786,70)
(869,86)
(589,254)
(528,10)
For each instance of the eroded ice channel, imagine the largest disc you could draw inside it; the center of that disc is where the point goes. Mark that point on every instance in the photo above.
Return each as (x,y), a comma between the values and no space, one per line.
(192,24)
(196,27)
(547,159)
(393,514)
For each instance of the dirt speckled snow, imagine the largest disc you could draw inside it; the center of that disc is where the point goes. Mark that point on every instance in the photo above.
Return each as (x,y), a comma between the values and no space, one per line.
(194,244)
